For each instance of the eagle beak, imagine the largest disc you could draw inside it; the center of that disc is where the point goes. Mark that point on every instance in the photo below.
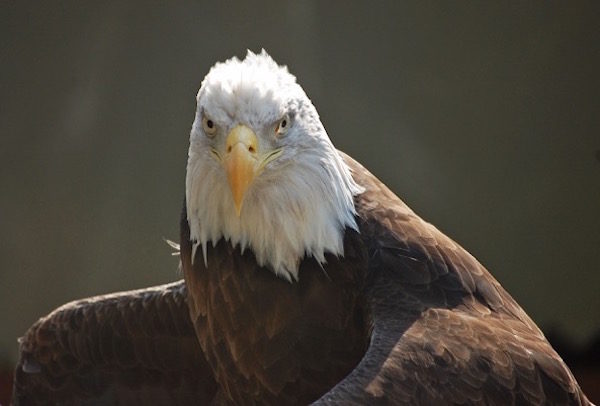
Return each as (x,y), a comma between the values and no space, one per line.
(241,162)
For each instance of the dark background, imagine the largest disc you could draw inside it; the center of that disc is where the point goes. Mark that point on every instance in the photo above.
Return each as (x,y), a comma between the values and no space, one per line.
(483,117)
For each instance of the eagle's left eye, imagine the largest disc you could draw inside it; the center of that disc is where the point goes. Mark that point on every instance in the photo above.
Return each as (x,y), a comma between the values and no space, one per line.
(282,126)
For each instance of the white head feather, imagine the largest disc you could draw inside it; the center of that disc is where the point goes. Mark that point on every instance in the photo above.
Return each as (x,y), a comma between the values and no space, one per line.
(301,203)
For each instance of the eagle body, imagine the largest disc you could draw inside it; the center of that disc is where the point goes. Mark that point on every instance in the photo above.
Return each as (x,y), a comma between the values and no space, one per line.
(441,328)
(306,281)
(269,341)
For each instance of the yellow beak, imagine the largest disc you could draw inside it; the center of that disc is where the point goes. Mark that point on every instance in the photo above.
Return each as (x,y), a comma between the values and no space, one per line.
(241,162)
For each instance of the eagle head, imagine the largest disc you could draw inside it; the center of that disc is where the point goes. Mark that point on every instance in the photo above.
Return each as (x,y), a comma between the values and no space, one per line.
(262,172)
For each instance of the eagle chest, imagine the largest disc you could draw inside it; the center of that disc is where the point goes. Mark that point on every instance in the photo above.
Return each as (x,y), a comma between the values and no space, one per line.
(272,341)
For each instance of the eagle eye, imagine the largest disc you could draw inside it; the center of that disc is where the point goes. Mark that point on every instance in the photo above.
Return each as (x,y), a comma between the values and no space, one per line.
(282,126)
(209,126)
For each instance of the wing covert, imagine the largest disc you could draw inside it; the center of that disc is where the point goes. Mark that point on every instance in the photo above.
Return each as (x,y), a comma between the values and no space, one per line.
(443,329)
(136,347)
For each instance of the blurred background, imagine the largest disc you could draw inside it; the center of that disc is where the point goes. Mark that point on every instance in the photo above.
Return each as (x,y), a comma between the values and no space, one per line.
(484,117)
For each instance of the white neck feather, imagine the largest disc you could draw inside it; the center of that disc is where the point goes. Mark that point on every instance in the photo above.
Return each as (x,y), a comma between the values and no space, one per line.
(303,211)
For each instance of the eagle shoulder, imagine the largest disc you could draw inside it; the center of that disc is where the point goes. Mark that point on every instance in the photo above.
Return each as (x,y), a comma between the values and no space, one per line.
(443,329)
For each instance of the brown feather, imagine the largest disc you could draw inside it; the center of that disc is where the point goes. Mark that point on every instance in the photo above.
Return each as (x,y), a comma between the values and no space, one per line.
(270,341)
(444,330)
(135,347)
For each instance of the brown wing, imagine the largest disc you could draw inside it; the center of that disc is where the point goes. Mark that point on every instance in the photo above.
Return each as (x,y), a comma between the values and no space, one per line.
(136,347)
(444,330)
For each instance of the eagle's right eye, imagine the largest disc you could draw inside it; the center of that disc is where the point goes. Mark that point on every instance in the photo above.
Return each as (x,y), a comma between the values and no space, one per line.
(209,126)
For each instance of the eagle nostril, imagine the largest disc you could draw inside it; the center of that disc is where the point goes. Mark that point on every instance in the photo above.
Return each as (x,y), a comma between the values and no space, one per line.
(251,149)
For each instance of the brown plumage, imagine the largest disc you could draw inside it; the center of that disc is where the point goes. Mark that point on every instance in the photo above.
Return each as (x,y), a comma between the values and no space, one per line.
(441,329)
(405,317)
(135,347)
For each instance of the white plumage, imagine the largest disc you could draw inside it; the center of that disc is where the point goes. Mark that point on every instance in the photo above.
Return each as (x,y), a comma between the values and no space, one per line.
(301,202)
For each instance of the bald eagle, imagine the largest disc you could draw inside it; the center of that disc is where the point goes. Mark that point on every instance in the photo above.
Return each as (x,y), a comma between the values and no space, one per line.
(305,280)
